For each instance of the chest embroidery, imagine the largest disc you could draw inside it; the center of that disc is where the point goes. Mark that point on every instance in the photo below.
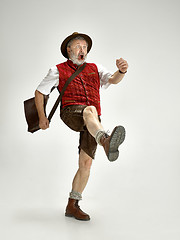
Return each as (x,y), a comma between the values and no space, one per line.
(91,73)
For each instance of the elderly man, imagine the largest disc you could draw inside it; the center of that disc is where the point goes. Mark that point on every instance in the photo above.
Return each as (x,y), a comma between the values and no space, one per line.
(80,110)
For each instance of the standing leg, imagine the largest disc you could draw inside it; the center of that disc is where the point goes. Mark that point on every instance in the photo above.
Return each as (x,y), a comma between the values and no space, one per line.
(79,183)
(82,175)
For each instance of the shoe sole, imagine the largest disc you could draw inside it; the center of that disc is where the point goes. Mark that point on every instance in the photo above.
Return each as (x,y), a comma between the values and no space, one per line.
(72,216)
(117,138)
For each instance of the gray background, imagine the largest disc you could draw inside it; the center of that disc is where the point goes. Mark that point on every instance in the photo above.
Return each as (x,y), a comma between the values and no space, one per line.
(136,197)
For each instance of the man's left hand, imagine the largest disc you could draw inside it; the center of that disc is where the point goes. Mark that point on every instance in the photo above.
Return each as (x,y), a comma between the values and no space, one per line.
(122,65)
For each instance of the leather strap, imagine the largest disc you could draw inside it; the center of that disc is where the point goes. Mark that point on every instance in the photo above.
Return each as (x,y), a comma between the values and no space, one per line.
(77,72)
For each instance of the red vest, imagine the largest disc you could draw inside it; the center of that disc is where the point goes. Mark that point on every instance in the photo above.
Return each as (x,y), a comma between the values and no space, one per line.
(84,89)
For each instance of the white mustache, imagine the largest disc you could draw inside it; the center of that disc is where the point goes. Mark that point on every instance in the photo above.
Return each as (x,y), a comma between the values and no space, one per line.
(75,60)
(81,54)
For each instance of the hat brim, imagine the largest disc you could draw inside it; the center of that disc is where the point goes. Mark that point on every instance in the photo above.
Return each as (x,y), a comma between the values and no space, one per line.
(69,38)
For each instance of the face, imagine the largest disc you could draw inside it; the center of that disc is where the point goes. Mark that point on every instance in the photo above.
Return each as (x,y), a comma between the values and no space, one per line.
(77,52)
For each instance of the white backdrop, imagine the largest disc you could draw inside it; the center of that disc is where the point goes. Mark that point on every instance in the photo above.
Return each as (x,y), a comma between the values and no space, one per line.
(136,197)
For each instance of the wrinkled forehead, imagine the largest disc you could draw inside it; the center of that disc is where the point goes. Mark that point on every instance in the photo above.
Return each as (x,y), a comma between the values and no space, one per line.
(81,42)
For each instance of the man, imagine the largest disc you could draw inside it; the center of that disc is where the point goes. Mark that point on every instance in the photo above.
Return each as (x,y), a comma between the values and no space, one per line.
(80,110)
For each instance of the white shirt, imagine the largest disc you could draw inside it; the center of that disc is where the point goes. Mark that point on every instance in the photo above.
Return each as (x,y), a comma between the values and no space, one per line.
(52,79)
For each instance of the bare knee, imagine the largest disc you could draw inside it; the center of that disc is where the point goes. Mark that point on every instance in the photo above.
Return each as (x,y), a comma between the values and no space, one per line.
(86,164)
(89,112)
(85,161)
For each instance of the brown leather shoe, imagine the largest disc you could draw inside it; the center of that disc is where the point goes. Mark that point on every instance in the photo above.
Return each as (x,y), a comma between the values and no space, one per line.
(111,143)
(73,210)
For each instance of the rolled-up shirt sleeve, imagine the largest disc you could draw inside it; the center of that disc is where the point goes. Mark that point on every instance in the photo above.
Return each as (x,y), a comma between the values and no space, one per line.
(51,80)
(104,75)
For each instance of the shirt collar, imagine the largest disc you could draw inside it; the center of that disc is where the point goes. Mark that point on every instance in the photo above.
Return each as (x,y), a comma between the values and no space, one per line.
(71,64)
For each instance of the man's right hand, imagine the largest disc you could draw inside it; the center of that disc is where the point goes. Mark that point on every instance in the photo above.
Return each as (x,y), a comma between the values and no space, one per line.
(43,123)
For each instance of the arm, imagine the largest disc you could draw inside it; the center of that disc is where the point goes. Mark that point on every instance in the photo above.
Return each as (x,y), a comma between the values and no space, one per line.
(122,65)
(51,80)
(39,101)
